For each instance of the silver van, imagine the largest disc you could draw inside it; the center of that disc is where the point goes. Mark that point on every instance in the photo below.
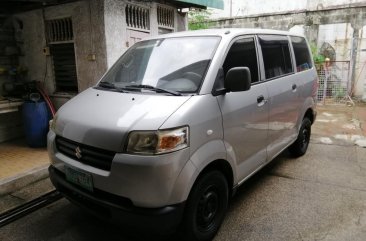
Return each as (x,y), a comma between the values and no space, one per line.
(179,122)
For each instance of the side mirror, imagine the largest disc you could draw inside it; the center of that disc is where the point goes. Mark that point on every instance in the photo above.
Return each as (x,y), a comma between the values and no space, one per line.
(238,79)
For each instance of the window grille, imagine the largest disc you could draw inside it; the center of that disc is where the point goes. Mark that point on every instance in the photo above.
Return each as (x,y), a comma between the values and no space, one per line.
(60,37)
(59,30)
(165,17)
(64,67)
(137,17)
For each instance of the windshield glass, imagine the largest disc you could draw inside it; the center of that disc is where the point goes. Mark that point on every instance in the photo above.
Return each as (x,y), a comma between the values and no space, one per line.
(172,64)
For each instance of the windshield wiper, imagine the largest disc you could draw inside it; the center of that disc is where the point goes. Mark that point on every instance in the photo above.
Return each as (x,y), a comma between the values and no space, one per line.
(108,85)
(150,87)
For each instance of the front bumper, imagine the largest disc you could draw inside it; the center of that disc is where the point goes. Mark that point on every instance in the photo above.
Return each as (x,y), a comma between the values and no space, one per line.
(148,181)
(118,209)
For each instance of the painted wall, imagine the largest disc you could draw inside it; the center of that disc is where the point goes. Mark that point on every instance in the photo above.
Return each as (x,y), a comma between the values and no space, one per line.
(339,36)
(89,39)
(100,30)
(340,24)
(360,80)
(254,7)
(116,29)
(9,52)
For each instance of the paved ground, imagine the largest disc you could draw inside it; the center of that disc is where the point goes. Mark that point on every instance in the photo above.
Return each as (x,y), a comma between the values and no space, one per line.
(320,196)
(17,158)
(23,173)
(342,125)
(25,194)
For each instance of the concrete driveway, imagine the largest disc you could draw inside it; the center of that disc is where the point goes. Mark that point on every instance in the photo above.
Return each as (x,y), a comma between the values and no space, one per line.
(320,196)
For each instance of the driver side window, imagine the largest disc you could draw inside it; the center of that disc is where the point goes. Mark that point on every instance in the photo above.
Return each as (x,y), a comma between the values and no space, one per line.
(243,54)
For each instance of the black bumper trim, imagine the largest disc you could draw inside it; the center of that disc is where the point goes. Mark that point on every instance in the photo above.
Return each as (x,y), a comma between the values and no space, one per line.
(160,220)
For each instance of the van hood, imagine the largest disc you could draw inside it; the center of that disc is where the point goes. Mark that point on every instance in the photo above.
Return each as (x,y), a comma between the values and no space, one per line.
(103,118)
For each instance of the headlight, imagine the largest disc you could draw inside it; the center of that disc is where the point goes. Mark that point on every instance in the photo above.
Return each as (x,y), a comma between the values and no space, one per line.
(157,142)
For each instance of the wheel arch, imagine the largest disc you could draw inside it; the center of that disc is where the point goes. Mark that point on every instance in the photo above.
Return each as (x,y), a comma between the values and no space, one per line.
(222,166)
(308,109)
(310,114)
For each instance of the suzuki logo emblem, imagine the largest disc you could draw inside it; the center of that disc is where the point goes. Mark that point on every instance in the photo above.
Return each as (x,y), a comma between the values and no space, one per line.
(78,152)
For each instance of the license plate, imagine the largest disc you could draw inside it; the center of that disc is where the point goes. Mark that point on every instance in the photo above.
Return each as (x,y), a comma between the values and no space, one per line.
(79,178)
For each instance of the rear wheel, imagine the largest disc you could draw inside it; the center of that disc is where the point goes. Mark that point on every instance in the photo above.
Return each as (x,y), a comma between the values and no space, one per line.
(206,207)
(300,146)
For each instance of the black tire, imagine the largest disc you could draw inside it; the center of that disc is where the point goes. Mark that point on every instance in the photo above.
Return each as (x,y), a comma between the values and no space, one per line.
(206,207)
(300,146)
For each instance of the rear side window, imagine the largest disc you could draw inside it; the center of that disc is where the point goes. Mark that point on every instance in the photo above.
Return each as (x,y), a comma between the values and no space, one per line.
(243,54)
(276,55)
(302,55)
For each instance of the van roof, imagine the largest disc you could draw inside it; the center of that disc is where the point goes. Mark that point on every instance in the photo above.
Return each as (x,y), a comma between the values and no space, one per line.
(223,32)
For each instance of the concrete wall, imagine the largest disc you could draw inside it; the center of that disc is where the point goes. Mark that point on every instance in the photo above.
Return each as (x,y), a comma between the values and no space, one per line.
(99,28)
(251,7)
(360,78)
(116,29)
(342,27)
(11,125)
(8,52)
(339,36)
(29,33)
(89,38)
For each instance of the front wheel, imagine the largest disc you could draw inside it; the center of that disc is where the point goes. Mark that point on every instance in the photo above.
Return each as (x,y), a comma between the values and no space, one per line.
(206,207)
(299,147)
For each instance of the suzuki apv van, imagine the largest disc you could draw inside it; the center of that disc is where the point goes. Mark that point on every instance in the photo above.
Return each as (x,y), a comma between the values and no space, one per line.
(179,122)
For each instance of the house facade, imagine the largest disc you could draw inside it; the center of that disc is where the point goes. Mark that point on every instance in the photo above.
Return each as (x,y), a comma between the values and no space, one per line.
(68,45)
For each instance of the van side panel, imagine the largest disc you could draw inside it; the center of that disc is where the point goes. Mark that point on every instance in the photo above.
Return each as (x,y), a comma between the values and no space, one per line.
(206,154)
(308,93)
(284,104)
(245,124)
(203,116)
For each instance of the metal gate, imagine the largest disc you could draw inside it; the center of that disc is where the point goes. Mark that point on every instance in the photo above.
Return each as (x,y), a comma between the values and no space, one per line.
(334,82)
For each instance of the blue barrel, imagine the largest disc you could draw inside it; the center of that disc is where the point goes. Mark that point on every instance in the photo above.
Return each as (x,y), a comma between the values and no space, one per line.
(35,119)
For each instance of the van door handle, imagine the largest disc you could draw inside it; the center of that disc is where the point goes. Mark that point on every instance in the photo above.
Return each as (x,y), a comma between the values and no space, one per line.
(261,101)
(294,86)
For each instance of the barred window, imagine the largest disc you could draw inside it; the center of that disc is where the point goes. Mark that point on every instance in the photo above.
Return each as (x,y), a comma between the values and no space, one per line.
(165,17)
(59,30)
(60,37)
(137,17)
(64,67)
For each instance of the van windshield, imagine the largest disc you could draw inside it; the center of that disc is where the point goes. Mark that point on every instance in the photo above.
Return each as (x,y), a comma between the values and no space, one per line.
(171,65)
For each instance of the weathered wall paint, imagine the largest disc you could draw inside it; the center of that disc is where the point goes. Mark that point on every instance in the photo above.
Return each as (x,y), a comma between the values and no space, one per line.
(360,79)
(31,42)
(339,36)
(100,29)
(254,7)
(89,38)
(339,26)
(8,59)
(115,29)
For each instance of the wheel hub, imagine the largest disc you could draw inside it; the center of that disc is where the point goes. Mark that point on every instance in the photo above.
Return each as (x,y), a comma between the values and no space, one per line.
(306,137)
(207,209)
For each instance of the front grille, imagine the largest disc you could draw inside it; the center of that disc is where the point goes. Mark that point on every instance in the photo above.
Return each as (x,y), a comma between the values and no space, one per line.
(89,155)
(105,197)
